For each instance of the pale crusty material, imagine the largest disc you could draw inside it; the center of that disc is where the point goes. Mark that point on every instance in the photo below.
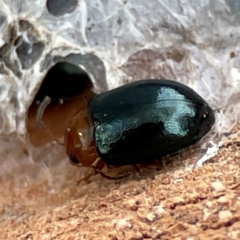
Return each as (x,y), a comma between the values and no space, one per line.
(170,204)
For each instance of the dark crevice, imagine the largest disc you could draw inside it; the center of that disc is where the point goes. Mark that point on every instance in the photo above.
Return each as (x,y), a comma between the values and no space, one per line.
(65,89)
(29,53)
(92,63)
(63,80)
(60,7)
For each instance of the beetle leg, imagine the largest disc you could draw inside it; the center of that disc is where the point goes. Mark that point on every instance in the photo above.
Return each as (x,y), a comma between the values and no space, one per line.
(100,165)
(137,169)
(86,178)
(111,166)
(114,178)
(40,111)
(159,163)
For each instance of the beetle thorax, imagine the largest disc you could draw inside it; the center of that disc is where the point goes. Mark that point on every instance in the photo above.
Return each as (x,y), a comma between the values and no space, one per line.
(79,140)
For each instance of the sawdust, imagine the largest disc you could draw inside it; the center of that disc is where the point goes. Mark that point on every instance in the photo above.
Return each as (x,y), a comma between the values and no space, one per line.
(169,204)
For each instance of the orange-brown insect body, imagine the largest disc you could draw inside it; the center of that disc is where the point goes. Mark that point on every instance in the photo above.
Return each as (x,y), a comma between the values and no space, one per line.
(79,140)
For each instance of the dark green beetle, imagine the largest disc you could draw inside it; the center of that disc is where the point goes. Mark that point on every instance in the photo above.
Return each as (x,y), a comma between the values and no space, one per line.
(138,122)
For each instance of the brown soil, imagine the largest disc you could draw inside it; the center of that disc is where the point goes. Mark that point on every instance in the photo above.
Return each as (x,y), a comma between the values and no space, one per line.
(171,204)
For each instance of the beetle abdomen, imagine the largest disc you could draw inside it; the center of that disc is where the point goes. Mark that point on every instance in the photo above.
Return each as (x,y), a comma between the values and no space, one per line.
(146,119)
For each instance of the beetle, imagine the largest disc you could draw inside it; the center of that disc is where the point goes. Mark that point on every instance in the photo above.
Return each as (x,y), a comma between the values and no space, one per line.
(136,123)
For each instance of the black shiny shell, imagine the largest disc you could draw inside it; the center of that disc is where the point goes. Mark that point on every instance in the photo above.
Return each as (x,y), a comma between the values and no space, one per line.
(148,119)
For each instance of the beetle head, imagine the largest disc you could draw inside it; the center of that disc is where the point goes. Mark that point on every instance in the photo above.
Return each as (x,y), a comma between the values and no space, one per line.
(79,142)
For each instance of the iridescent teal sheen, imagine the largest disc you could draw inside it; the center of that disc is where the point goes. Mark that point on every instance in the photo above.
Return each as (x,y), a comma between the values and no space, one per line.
(148,119)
